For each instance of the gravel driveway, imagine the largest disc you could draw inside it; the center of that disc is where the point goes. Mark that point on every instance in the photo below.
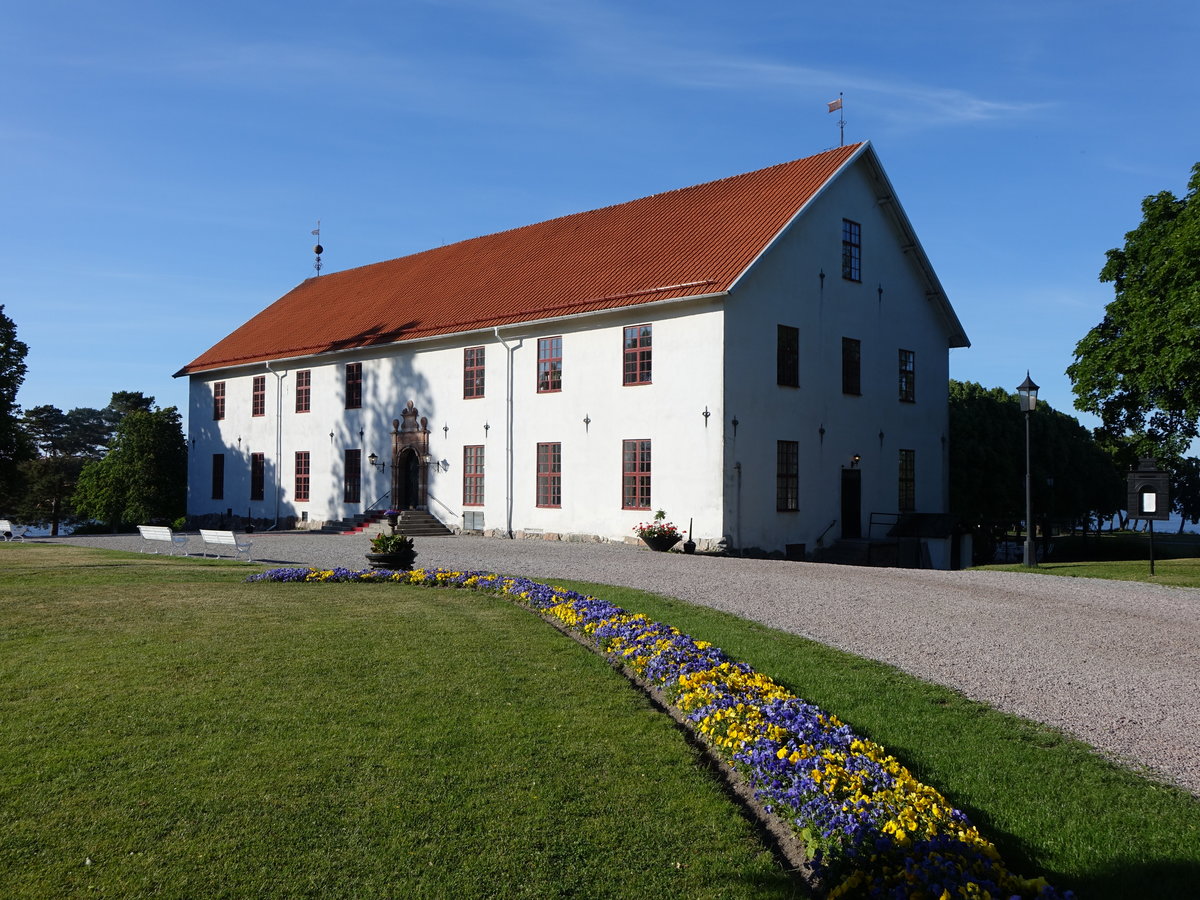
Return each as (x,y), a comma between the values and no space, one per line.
(1117,664)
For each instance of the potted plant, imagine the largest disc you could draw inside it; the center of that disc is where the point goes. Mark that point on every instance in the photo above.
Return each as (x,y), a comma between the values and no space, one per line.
(391,551)
(392,515)
(660,534)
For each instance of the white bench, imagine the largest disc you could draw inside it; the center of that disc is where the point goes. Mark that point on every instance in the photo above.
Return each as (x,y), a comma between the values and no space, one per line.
(11,532)
(220,539)
(163,534)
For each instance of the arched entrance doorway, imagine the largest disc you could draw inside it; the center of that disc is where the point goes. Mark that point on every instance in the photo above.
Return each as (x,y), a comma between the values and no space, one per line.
(408,494)
(410,452)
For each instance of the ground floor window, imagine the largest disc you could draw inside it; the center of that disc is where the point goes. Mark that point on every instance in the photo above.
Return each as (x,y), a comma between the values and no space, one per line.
(218,476)
(549,474)
(352,489)
(302,475)
(473,475)
(908,480)
(635,475)
(787,475)
(258,467)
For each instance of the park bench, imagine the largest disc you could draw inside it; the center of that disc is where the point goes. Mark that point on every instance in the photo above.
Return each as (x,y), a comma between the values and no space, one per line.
(219,539)
(11,532)
(163,534)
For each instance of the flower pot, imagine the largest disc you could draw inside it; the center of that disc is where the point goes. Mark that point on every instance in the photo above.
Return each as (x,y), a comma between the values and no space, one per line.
(660,542)
(399,562)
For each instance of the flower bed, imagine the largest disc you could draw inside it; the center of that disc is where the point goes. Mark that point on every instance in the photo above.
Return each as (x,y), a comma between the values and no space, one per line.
(871,829)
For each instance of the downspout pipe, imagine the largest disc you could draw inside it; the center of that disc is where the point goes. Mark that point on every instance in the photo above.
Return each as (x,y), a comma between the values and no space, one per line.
(508,435)
(279,376)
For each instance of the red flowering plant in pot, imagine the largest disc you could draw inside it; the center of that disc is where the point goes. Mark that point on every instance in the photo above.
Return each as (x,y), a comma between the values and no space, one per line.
(659,534)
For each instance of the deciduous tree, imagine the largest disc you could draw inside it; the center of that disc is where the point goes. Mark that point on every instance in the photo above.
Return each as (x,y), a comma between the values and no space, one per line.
(13,445)
(1139,369)
(143,477)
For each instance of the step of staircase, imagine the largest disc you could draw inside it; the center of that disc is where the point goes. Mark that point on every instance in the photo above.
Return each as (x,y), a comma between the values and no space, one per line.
(412,522)
(857,552)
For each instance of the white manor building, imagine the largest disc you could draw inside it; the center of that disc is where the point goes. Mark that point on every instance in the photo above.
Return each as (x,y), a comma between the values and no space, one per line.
(765,356)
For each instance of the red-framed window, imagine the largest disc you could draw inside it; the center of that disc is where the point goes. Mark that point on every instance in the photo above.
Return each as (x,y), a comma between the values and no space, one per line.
(851,366)
(218,400)
(907,500)
(908,376)
(549,378)
(258,470)
(637,354)
(851,250)
(258,396)
(473,372)
(353,385)
(473,475)
(352,488)
(303,472)
(304,390)
(218,476)
(549,474)
(635,474)
(787,476)
(787,356)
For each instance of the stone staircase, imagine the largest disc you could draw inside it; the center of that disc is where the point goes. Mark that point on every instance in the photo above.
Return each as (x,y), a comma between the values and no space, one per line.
(857,552)
(412,522)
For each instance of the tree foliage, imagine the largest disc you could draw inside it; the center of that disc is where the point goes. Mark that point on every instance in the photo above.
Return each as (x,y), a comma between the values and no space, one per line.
(1139,368)
(1073,479)
(143,477)
(13,445)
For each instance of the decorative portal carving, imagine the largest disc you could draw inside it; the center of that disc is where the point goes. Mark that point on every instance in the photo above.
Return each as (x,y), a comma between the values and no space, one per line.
(410,458)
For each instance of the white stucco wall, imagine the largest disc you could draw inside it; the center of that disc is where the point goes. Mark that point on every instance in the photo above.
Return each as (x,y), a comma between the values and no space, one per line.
(786,288)
(686,468)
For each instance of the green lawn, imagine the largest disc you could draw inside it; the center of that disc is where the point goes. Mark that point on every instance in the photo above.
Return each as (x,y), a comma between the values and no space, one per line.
(195,736)
(1173,572)
(168,730)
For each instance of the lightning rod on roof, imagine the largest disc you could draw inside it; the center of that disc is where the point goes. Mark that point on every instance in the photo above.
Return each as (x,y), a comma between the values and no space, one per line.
(317,248)
(836,106)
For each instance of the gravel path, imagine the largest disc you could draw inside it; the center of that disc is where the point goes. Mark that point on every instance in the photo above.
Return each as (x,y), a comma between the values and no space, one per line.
(1117,664)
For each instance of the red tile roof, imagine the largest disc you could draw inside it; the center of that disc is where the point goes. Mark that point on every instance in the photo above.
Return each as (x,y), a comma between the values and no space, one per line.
(682,243)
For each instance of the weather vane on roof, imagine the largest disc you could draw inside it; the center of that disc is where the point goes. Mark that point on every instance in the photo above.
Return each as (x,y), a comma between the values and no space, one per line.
(836,106)
(317,248)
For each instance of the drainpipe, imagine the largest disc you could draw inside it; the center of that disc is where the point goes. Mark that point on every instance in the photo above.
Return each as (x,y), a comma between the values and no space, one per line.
(279,376)
(508,436)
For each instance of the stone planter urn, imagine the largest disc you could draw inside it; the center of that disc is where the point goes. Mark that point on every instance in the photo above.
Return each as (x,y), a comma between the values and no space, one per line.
(661,543)
(397,562)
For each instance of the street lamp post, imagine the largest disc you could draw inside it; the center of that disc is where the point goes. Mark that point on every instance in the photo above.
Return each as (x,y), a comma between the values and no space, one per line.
(1027,391)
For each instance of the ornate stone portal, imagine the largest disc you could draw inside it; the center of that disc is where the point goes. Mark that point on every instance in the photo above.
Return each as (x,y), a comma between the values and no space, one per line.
(410,460)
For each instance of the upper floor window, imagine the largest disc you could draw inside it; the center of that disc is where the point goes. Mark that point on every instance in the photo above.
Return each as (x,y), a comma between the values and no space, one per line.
(218,400)
(635,475)
(637,354)
(908,376)
(851,366)
(473,475)
(258,468)
(549,474)
(353,385)
(851,250)
(549,377)
(787,475)
(258,398)
(473,372)
(303,390)
(907,501)
(787,356)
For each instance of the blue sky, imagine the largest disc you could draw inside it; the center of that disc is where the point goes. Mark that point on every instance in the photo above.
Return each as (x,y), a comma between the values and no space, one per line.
(163,164)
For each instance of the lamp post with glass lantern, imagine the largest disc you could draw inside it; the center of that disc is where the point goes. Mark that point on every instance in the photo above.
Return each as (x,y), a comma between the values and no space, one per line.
(1027,391)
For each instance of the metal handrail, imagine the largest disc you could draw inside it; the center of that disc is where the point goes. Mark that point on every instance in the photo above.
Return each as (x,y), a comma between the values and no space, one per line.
(387,495)
(442,505)
(825,532)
